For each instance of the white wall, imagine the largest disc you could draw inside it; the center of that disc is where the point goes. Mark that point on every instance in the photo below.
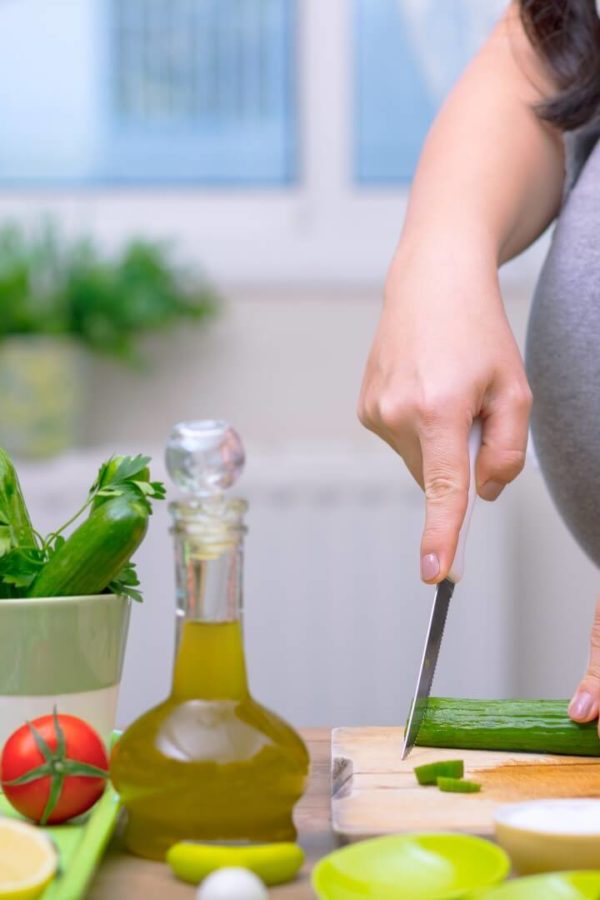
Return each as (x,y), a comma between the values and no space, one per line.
(283,364)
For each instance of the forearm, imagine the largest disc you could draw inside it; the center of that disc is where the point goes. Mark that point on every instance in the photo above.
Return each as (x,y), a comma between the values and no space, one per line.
(491,173)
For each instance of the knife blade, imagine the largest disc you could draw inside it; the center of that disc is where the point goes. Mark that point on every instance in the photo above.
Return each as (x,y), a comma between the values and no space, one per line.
(433,642)
(439,612)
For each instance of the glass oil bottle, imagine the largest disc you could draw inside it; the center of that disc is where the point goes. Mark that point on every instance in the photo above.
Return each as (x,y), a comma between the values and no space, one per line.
(209,763)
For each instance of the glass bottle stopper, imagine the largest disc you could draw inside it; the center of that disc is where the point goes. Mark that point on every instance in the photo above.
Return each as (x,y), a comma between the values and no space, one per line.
(204,458)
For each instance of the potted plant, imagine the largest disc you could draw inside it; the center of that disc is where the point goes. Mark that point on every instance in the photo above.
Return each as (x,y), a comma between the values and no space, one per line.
(61,300)
(65,597)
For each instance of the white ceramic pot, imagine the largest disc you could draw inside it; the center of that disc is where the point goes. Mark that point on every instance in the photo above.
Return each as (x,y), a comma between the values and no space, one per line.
(65,652)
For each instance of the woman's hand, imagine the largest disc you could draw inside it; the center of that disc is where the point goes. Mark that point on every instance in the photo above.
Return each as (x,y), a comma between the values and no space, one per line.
(585,704)
(444,354)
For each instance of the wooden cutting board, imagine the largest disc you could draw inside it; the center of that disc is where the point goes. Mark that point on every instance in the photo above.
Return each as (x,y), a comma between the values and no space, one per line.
(375,792)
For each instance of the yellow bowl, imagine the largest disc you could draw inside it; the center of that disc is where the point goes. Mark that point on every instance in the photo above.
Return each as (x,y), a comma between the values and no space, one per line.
(411,867)
(550,835)
(550,886)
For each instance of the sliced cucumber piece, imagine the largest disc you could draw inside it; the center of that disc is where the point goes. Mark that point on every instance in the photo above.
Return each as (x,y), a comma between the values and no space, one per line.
(458,785)
(429,773)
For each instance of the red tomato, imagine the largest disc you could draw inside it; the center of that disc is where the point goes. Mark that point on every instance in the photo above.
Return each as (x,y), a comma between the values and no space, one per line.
(73,768)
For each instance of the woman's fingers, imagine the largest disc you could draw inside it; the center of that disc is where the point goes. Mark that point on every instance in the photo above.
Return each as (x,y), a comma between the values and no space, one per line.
(443,354)
(504,442)
(432,438)
(585,704)
(445,453)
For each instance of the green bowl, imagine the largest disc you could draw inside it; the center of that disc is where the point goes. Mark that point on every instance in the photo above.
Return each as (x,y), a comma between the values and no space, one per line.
(553,886)
(411,867)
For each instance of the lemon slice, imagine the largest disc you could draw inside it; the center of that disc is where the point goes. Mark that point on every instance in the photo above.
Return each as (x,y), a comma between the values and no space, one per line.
(28,861)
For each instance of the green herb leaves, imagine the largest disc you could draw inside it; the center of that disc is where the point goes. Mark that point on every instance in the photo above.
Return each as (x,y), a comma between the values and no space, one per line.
(5,537)
(52,285)
(126,474)
(21,566)
(126,583)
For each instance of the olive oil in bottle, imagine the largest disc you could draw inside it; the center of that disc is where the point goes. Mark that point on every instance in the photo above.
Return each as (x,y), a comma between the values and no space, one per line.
(209,763)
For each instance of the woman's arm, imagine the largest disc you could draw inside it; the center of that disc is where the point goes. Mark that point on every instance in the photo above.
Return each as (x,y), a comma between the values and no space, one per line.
(491,168)
(488,183)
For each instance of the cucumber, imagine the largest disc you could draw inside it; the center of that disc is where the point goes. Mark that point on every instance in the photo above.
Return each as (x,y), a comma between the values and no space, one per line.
(534,726)
(458,786)
(95,553)
(429,773)
(274,863)
(13,510)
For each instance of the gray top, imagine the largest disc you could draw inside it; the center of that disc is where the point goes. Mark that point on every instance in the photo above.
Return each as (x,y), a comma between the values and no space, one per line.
(563,349)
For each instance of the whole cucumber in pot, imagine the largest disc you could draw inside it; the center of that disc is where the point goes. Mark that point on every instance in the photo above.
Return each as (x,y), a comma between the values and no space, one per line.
(95,553)
(13,511)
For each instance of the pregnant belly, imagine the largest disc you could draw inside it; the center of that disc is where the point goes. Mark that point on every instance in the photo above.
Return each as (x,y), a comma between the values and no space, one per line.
(563,362)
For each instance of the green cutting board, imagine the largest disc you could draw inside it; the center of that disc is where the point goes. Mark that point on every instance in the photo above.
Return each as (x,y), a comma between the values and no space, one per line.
(80,846)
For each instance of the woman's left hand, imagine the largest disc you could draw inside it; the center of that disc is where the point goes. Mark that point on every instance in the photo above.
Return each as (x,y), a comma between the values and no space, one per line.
(585,704)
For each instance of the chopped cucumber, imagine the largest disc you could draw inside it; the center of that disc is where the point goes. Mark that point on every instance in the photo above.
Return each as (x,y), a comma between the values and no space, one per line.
(458,785)
(429,773)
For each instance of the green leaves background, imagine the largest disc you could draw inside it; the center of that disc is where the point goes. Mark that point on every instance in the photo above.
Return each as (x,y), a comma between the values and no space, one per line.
(49,285)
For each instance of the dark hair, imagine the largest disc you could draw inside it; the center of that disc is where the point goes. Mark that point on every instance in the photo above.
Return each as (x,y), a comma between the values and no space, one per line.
(567,34)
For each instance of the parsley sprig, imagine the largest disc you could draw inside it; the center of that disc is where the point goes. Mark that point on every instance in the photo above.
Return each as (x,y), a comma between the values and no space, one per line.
(127,474)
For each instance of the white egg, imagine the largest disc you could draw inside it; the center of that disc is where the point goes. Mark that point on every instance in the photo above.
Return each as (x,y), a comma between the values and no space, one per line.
(232,884)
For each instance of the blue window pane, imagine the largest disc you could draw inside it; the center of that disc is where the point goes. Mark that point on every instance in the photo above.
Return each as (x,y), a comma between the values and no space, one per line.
(148,90)
(201,89)
(408,53)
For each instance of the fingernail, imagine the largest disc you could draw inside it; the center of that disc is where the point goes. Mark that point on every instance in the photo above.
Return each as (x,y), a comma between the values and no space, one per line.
(430,567)
(580,706)
(490,490)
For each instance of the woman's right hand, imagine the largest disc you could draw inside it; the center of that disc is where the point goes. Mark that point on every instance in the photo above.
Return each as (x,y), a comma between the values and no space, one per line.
(444,354)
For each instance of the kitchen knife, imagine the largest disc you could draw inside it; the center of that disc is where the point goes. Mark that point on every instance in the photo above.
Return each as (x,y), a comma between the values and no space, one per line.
(441,603)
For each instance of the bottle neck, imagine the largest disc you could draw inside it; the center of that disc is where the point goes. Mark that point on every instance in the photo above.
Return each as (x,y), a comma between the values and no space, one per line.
(210,661)
(209,586)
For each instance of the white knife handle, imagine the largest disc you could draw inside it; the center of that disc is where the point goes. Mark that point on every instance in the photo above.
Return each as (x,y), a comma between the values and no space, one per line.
(458,566)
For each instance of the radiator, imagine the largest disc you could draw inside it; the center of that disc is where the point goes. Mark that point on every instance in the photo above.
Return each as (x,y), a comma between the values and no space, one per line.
(335,614)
